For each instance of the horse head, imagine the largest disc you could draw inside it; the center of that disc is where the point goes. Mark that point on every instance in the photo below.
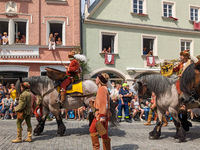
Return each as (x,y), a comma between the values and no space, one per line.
(190,82)
(141,87)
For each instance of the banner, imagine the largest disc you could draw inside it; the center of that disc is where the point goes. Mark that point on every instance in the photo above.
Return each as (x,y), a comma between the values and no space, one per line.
(167,70)
(109,59)
(150,61)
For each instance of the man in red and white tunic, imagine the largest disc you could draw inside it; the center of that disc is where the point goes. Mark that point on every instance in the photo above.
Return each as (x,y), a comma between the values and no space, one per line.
(73,70)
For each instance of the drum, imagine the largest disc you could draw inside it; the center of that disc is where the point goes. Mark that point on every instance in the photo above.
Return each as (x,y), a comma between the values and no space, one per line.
(54,74)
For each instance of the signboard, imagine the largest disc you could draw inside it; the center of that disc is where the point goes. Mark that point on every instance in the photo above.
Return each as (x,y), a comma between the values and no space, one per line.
(19,52)
(167,70)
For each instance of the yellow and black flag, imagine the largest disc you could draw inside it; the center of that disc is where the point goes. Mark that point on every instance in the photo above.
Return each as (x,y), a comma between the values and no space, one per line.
(167,69)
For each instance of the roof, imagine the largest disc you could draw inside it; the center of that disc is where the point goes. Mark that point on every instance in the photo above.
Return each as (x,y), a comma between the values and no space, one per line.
(94,4)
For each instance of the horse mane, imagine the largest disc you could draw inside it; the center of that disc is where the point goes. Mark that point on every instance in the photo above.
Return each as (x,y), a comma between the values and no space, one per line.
(158,84)
(187,78)
(33,81)
(197,65)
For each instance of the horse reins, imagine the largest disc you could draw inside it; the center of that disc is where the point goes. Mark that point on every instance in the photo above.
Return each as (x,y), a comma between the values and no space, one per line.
(194,94)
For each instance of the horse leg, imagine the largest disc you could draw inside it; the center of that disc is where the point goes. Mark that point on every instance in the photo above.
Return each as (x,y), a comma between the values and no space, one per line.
(180,132)
(40,127)
(183,118)
(61,126)
(155,134)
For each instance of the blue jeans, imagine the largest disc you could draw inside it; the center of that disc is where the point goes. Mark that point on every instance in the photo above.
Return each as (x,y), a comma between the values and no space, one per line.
(146,112)
(126,109)
(4,110)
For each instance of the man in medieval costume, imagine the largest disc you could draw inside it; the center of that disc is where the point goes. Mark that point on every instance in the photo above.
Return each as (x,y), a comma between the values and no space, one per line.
(185,61)
(72,73)
(24,108)
(102,112)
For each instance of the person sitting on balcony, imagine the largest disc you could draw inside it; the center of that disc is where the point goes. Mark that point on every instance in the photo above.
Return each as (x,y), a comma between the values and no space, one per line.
(5,38)
(150,52)
(104,51)
(52,44)
(0,38)
(23,39)
(17,40)
(144,51)
(109,49)
(59,42)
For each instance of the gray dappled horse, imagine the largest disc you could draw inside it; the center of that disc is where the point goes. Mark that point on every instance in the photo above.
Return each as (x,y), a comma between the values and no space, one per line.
(41,84)
(166,100)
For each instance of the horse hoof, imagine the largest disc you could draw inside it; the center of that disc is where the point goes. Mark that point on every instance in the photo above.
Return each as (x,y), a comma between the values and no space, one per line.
(152,138)
(177,140)
(36,134)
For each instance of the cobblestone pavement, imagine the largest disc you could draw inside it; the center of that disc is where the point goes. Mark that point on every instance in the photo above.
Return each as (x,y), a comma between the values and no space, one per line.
(129,136)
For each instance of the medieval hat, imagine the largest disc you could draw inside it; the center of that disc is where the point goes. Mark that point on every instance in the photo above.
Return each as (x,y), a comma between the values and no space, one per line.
(81,57)
(25,85)
(185,53)
(71,55)
(103,78)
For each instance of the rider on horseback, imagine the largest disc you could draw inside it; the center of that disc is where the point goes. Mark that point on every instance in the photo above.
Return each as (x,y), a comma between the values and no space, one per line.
(185,61)
(72,73)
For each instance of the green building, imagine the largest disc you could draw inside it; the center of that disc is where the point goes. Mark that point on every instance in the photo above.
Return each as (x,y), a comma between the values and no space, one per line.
(135,28)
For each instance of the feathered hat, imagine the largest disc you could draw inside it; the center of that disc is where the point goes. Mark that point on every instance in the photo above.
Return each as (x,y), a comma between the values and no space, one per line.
(81,57)
(185,53)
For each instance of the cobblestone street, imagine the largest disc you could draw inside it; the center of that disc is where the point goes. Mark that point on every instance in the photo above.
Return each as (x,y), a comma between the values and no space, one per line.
(129,136)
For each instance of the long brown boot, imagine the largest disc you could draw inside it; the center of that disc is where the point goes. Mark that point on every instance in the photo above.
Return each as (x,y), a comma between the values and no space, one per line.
(19,136)
(106,144)
(165,121)
(29,137)
(95,141)
(62,96)
(149,120)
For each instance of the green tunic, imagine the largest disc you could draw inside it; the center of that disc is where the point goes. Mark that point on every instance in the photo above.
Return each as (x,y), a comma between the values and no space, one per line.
(25,105)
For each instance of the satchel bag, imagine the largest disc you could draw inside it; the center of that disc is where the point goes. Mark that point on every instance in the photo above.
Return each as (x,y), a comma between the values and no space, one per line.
(100,128)
(20,115)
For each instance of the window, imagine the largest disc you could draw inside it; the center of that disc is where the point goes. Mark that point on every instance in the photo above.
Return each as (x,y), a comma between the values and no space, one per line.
(149,45)
(20,32)
(13,27)
(194,14)
(138,6)
(185,45)
(167,10)
(57,28)
(109,42)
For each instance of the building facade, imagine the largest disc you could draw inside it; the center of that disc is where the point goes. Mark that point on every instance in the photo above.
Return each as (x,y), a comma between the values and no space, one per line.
(135,29)
(31,22)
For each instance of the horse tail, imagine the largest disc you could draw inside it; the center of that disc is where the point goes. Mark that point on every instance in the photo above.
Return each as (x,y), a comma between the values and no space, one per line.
(113,118)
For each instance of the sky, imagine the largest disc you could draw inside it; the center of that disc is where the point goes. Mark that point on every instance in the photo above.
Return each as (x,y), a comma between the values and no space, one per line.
(83,4)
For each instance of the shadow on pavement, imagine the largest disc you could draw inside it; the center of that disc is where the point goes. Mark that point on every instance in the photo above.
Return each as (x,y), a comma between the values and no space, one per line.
(126,147)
